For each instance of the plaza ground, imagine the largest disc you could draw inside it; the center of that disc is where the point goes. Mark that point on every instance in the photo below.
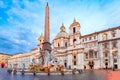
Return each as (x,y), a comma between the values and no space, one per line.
(109,74)
(86,75)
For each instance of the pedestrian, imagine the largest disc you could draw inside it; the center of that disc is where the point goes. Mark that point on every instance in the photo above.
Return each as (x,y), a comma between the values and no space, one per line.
(84,67)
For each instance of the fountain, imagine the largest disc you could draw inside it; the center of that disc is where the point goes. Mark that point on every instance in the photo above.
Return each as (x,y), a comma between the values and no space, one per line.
(48,62)
(51,63)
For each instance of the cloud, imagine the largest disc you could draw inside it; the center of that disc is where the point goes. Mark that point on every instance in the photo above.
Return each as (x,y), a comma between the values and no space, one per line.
(23,28)
(24,20)
(18,42)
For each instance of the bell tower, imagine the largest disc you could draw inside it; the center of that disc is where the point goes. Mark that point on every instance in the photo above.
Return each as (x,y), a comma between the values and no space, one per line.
(75,33)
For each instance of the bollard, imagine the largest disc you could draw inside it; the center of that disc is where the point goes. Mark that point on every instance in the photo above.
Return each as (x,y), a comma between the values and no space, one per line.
(23,72)
(48,72)
(34,73)
(73,72)
(79,71)
(9,71)
(14,71)
(62,72)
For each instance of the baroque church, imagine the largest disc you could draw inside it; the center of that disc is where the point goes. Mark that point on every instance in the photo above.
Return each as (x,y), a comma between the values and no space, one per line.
(96,50)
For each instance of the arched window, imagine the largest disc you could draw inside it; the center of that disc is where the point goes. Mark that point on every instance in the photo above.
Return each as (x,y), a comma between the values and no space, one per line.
(74,30)
(91,54)
(65,63)
(114,44)
(74,56)
(105,45)
(115,60)
(106,53)
(104,36)
(74,62)
(58,45)
(86,55)
(65,44)
(95,54)
(74,59)
(74,40)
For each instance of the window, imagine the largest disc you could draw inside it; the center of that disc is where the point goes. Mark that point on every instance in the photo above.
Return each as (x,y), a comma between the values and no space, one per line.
(106,60)
(113,33)
(94,37)
(114,44)
(74,62)
(104,36)
(74,41)
(85,39)
(89,38)
(95,43)
(86,55)
(115,60)
(74,56)
(82,40)
(58,45)
(65,44)
(105,45)
(95,54)
(106,54)
(91,54)
(74,30)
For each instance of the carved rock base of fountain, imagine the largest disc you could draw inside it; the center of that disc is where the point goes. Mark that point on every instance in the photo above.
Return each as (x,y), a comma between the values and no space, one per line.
(53,68)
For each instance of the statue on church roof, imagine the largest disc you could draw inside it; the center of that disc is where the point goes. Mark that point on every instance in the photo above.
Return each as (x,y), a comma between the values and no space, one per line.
(41,36)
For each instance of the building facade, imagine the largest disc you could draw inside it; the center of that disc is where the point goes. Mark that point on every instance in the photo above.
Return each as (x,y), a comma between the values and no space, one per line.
(100,49)
(23,60)
(4,60)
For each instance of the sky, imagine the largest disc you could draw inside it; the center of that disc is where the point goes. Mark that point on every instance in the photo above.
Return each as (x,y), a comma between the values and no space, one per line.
(22,21)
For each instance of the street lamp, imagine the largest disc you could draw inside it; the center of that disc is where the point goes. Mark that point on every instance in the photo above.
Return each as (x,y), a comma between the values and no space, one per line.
(113,53)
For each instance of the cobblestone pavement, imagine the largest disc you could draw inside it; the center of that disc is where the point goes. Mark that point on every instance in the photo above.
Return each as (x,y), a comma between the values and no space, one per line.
(87,75)
(112,75)
(109,74)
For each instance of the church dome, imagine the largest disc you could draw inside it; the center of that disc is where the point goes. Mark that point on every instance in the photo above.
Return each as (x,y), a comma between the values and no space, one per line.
(62,33)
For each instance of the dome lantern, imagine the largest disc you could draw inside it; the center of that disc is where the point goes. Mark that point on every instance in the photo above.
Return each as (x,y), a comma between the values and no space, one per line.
(62,28)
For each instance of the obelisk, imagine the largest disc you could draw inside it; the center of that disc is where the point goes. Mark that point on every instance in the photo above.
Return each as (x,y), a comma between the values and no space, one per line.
(46,43)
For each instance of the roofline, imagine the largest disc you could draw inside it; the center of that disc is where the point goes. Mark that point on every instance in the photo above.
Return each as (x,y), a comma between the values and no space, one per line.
(118,27)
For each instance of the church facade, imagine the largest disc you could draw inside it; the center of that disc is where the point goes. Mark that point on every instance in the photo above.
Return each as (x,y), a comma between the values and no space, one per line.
(96,50)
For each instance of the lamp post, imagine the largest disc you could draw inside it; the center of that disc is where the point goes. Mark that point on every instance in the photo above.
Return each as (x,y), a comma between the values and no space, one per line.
(113,53)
